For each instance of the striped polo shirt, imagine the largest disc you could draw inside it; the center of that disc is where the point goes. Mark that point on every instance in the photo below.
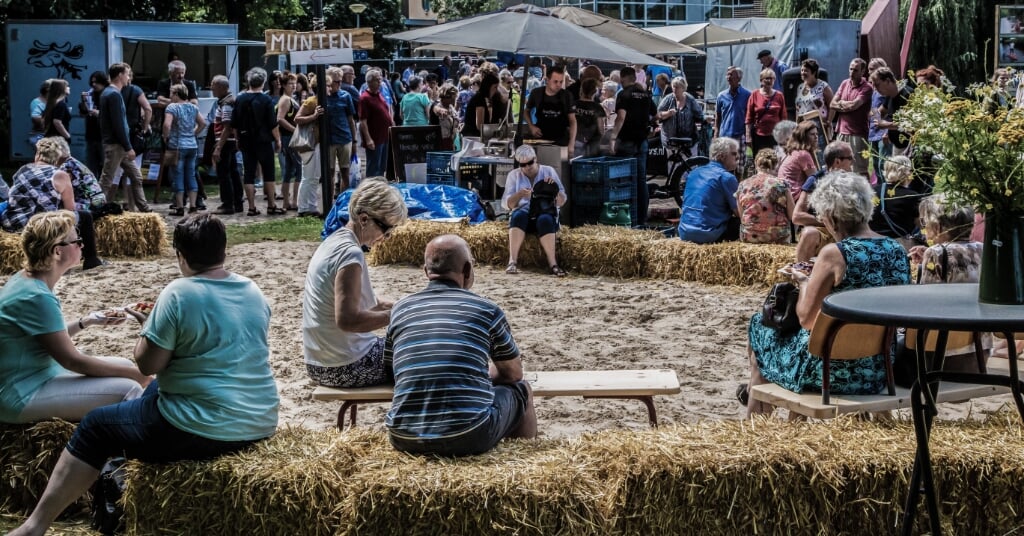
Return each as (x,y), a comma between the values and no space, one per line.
(439,344)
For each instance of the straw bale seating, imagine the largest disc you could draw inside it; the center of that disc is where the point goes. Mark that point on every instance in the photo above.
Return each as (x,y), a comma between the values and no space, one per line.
(601,250)
(131,234)
(763,476)
(640,385)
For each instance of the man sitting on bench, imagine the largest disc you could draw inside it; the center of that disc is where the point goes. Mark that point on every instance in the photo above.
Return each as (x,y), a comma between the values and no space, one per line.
(449,399)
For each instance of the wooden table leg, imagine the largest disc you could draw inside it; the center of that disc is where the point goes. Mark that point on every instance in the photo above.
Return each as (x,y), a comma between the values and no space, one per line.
(648,400)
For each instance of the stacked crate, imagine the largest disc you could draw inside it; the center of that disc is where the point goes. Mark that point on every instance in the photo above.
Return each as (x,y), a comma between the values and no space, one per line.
(598,180)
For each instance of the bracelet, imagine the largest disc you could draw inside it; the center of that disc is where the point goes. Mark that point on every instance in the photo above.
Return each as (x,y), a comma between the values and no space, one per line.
(80,324)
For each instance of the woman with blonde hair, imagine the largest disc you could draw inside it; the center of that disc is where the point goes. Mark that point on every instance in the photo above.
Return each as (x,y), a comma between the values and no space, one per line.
(765,204)
(800,162)
(339,308)
(42,186)
(42,374)
(896,207)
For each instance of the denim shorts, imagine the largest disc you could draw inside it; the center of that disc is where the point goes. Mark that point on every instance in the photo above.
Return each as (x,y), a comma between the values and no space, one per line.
(507,411)
(137,430)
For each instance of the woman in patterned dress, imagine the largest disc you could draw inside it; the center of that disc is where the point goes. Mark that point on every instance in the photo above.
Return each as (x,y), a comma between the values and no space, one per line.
(860,258)
(42,186)
(814,94)
(766,206)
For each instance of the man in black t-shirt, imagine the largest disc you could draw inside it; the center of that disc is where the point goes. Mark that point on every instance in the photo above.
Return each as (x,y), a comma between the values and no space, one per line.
(634,109)
(175,75)
(885,83)
(555,111)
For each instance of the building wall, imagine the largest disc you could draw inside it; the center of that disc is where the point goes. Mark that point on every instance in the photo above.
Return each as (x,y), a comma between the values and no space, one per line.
(662,12)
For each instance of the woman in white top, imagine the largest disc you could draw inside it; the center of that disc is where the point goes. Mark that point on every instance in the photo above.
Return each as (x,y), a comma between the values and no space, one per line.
(814,95)
(534,194)
(339,308)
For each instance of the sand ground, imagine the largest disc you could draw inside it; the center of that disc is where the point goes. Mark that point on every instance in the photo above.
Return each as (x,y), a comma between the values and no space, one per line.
(575,323)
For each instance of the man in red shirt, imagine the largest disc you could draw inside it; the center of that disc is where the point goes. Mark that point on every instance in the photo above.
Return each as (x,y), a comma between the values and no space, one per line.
(852,105)
(375,120)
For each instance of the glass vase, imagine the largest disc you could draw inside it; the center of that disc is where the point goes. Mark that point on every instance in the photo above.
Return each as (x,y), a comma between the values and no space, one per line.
(1002,260)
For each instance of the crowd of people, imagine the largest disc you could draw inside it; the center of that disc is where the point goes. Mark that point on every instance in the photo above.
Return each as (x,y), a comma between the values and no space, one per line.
(199,387)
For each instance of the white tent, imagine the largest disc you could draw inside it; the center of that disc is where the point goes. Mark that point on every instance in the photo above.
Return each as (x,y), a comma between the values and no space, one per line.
(703,35)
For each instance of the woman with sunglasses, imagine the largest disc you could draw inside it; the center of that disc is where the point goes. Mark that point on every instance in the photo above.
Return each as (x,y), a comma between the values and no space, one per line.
(42,374)
(534,194)
(339,308)
(42,186)
(765,109)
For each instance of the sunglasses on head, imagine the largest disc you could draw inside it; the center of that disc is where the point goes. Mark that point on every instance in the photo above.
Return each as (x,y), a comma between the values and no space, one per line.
(527,164)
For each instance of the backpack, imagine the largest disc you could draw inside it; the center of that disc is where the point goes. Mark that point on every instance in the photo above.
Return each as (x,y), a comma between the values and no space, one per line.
(253,118)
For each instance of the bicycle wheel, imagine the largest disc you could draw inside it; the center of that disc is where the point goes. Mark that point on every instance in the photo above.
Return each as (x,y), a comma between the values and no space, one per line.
(677,183)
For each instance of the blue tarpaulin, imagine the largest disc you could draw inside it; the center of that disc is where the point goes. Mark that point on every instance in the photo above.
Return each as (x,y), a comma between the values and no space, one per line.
(424,201)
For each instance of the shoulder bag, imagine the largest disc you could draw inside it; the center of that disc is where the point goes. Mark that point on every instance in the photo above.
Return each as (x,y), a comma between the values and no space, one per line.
(779,309)
(302,139)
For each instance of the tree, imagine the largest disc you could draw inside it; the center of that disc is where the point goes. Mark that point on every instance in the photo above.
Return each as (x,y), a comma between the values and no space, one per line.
(951,35)
(460,9)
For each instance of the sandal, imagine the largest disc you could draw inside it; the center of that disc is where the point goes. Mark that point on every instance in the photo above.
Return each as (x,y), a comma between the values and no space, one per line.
(557,272)
(511,268)
(743,394)
(275,211)
(179,211)
(253,212)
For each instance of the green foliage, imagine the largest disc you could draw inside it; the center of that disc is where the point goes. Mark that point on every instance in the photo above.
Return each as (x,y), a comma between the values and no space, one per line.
(949,34)
(384,16)
(460,9)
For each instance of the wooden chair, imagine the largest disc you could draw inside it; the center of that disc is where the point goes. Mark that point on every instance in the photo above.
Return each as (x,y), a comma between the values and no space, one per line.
(955,339)
(833,339)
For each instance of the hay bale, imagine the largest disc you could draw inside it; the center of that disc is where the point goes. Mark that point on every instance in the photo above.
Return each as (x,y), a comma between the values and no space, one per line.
(730,263)
(605,250)
(12,256)
(524,488)
(289,484)
(131,234)
(488,241)
(841,477)
(28,453)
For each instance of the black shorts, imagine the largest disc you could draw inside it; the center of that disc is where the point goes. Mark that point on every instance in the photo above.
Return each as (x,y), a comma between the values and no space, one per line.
(506,413)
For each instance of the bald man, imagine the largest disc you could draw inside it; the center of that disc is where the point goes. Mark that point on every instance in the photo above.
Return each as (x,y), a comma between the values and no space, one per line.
(459,386)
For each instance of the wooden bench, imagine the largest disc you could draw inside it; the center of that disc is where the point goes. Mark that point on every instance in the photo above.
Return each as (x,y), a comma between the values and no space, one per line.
(639,385)
(810,404)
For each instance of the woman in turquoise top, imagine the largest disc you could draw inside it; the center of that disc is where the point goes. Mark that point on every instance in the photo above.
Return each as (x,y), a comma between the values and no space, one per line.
(206,341)
(860,258)
(42,374)
(415,104)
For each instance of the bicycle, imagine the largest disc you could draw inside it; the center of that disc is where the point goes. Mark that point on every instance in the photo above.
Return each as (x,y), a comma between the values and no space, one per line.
(679,167)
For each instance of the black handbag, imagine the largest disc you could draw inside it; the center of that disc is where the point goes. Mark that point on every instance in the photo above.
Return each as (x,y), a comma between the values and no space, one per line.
(779,309)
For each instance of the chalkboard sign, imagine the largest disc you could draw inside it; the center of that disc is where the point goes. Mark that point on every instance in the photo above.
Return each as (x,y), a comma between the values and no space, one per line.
(409,145)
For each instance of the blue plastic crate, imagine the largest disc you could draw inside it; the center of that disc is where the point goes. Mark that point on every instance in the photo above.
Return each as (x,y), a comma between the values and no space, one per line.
(601,169)
(447,179)
(439,162)
(588,199)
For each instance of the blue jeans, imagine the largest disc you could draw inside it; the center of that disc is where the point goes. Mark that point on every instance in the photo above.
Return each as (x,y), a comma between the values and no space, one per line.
(632,149)
(138,430)
(545,224)
(184,178)
(376,160)
(506,412)
(291,162)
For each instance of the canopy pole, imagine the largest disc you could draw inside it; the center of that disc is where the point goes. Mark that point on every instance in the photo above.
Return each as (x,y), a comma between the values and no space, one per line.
(518,138)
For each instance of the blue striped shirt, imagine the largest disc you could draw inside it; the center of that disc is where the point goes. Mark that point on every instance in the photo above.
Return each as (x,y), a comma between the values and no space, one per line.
(439,344)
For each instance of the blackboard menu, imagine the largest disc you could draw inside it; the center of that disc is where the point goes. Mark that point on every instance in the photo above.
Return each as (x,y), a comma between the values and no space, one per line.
(409,145)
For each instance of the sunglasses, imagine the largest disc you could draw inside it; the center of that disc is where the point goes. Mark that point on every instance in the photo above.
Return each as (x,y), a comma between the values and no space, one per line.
(78,242)
(384,228)
(844,158)
(527,164)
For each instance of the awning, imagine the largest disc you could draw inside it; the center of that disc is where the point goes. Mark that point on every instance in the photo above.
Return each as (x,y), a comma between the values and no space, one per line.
(198,41)
(708,35)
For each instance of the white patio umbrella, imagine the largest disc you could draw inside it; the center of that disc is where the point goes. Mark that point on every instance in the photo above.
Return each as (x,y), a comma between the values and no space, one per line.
(622,32)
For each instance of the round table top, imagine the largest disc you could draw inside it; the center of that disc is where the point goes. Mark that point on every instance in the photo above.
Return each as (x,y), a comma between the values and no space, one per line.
(941,306)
